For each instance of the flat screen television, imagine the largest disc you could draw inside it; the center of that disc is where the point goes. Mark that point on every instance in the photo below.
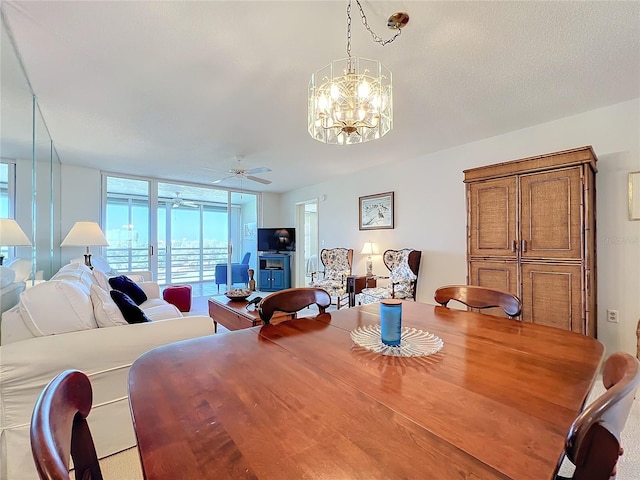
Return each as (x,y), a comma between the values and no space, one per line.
(277,239)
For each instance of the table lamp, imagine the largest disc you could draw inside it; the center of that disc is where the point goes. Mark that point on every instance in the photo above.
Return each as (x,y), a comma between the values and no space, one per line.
(11,235)
(85,234)
(369,249)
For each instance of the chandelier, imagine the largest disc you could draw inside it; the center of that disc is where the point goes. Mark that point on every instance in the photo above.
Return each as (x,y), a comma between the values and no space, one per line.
(351,99)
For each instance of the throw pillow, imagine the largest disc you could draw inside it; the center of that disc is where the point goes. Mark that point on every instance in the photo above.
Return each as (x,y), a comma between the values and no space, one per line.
(107,313)
(81,276)
(101,280)
(128,286)
(75,266)
(130,311)
(56,306)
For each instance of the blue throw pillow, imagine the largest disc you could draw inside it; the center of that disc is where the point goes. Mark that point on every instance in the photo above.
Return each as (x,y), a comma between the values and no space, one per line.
(128,286)
(130,311)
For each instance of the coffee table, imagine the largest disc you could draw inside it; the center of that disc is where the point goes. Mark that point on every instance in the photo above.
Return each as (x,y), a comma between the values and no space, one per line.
(234,315)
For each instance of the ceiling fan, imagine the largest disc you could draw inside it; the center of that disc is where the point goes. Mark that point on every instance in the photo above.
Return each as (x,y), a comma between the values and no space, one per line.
(240,172)
(178,202)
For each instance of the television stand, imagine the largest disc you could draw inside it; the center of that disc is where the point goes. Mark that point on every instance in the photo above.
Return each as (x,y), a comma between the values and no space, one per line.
(274,272)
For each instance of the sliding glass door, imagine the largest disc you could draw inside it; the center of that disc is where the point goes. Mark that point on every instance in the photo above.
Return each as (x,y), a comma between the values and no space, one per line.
(195,231)
(192,232)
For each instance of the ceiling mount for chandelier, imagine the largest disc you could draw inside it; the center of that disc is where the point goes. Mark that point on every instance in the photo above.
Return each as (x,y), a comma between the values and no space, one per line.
(351,99)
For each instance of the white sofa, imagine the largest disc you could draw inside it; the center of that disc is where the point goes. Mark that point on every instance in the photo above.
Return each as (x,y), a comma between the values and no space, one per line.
(50,330)
(10,289)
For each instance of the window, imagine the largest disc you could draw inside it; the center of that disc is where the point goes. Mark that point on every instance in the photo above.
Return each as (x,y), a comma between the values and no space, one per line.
(185,237)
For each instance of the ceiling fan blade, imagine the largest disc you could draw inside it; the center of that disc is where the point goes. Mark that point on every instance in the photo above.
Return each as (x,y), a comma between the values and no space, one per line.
(215,169)
(257,170)
(258,179)
(220,180)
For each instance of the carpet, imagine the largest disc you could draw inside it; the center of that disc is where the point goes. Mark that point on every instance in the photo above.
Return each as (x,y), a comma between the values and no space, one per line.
(126,465)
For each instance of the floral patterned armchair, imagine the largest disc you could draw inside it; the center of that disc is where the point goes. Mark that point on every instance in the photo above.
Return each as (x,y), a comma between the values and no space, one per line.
(403,266)
(337,267)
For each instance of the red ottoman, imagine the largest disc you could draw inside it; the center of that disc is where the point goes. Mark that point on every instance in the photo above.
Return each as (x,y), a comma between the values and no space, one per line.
(178,295)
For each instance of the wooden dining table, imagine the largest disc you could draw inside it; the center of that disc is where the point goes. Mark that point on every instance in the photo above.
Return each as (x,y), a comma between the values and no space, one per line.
(300,400)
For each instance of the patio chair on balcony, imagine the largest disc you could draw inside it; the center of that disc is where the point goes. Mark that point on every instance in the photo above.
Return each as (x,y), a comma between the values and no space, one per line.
(239,272)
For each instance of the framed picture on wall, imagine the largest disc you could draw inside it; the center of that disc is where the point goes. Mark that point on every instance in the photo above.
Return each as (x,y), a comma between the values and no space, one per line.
(376,211)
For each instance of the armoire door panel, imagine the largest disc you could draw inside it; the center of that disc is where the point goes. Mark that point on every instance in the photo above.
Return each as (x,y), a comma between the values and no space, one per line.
(496,275)
(552,295)
(553,258)
(550,214)
(493,218)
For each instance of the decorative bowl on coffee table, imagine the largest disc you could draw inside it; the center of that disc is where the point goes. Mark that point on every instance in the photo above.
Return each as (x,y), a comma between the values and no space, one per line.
(238,294)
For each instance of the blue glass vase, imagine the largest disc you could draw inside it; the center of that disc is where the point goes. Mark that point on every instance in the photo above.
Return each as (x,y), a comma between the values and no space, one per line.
(391,321)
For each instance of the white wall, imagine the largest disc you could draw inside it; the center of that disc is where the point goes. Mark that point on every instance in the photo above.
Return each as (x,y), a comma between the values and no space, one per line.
(80,199)
(431,216)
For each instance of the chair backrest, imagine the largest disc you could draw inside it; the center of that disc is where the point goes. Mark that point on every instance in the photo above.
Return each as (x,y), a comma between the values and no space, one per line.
(479,297)
(245,259)
(593,443)
(292,300)
(337,262)
(403,266)
(59,429)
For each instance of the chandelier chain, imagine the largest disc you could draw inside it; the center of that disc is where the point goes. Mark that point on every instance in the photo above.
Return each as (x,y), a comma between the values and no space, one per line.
(349,29)
(376,38)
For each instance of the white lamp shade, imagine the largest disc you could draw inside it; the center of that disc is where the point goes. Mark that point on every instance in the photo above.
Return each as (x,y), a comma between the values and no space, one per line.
(85,234)
(370,248)
(11,234)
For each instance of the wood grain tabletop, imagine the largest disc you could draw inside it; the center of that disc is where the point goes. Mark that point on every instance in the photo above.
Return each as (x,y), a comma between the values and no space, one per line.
(299,400)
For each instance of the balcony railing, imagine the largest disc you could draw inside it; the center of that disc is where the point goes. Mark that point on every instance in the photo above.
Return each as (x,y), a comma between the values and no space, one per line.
(187,264)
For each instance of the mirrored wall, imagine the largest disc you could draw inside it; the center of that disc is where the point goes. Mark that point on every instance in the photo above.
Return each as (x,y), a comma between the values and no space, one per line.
(32,186)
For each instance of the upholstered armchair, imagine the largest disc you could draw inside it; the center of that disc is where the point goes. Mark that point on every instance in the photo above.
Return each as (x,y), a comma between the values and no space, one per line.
(403,268)
(239,272)
(337,264)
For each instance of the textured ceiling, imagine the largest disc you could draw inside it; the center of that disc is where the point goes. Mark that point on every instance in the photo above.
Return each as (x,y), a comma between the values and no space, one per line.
(163,89)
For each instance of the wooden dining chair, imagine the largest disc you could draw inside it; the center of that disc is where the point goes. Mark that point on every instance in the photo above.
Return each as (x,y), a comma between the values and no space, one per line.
(593,444)
(59,429)
(479,297)
(292,300)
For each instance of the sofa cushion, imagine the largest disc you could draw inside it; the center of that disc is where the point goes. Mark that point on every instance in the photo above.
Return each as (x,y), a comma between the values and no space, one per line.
(130,311)
(101,263)
(107,313)
(153,302)
(161,312)
(76,272)
(75,266)
(7,276)
(128,286)
(22,267)
(56,306)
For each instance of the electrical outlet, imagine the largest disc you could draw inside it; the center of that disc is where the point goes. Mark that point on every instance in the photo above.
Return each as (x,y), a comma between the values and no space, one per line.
(612,316)
(322,243)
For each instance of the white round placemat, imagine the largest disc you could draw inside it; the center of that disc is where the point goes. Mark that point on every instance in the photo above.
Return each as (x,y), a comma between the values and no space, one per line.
(413,342)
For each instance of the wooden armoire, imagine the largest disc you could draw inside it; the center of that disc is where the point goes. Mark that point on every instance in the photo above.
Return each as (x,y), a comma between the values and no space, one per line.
(531,230)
